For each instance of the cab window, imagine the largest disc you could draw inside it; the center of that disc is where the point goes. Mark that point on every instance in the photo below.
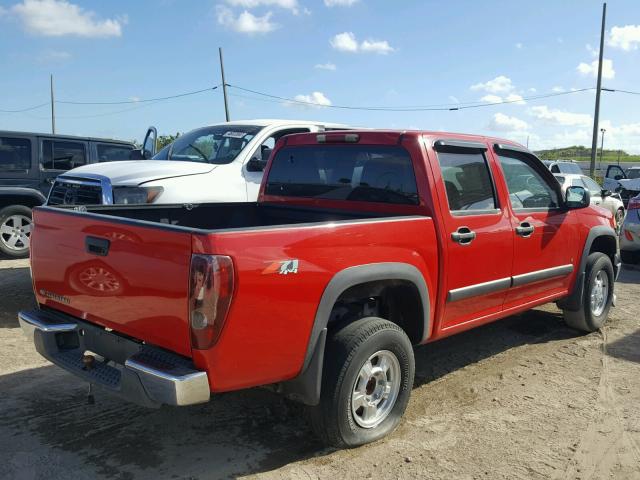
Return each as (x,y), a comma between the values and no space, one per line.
(527,187)
(62,155)
(467,181)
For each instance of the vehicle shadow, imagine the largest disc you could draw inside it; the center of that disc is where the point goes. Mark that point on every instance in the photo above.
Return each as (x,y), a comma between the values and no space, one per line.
(629,274)
(626,348)
(44,411)
(15,294)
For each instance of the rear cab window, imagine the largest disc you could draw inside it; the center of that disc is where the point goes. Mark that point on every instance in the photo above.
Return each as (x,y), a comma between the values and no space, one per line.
(364,173)
(15,154)
(113,152)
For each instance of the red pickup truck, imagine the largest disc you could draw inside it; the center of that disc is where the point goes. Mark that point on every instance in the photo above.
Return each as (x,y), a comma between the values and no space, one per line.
(363,243)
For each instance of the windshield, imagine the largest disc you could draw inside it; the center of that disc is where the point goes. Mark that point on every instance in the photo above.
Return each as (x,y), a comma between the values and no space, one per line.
(566,167)
(218,145)
(633,173)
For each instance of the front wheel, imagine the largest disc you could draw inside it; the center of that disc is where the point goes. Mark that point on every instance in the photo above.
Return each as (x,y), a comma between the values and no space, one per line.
(598,295)
(366,383)
(15,231)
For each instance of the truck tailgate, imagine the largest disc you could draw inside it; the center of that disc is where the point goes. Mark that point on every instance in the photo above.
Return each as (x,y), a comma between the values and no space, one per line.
(132,278)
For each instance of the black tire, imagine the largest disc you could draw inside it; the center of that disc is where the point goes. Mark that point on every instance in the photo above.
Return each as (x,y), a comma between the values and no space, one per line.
(348,349)
(21,248)
(630,258)
(585,319)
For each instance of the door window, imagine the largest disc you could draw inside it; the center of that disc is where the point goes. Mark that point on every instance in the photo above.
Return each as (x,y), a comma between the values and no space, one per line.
(112,153)
(467,181)
(615,172)
(527,187)
(62,155)
(15,154)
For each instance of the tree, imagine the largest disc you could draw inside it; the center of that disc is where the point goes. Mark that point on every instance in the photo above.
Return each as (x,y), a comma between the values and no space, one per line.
(164,140)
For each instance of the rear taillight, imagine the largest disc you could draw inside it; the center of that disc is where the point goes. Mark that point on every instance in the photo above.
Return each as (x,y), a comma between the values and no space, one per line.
(210,292)
(628,235)
(634,203)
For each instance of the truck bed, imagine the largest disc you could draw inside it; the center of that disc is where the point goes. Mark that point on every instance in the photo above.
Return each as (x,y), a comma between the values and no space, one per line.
(222,216)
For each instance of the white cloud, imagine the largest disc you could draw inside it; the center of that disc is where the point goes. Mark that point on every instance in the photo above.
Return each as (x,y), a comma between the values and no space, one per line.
(291,5)
(347,42)
(533,90)
(314,100)
(56,18)
(560,117)
(490,98)
(627,37)
(558,89)
(246,22)
(592,69)
(326,66)
(500,84)
(380,47)
(505,123)
(519,46)
(591,50)
(340,3)
(515,98)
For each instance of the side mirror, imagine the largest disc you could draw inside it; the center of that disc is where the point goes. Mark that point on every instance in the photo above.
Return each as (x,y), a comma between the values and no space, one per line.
(618,177)
(606,193)
(577,197)
(150,142)
(256,165)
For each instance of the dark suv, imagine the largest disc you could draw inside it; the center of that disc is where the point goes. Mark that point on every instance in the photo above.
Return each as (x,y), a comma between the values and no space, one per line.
(29,163)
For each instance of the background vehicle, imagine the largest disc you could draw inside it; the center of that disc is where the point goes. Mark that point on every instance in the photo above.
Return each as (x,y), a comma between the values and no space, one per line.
(361,244)
(630,233)
(219,163)
(627,183)
(599,196)
(29,163)
(563,166)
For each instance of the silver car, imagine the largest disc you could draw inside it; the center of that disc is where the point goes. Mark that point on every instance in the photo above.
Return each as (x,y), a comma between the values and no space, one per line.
(630,233)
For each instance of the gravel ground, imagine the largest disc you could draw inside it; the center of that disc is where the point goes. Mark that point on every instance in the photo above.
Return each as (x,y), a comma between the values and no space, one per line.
(522,398)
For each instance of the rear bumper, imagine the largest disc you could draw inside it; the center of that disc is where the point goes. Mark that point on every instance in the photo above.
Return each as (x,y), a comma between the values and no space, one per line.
(140,373)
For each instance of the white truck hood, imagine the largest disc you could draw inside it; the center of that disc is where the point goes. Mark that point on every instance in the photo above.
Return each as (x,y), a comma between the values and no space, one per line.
(141,171)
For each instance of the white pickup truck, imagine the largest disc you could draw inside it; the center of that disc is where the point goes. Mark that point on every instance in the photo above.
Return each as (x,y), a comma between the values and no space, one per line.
(627,183)
(218,163)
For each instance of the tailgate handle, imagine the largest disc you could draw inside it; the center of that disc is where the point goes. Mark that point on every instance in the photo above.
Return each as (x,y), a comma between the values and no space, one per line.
(97,246)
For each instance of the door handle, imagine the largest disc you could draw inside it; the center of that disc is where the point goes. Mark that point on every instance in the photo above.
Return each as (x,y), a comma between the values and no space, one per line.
(525,229)
(97,246)
(463,236)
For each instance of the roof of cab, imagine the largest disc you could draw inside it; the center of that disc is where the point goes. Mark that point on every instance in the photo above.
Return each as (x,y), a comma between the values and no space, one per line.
(59,136)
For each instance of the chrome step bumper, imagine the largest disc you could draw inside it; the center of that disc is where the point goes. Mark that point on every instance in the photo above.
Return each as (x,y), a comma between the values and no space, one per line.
(140,373)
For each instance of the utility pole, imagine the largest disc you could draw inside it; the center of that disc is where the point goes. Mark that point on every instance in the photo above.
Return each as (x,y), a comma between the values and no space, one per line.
(594,142)
(53,108)
(224,86)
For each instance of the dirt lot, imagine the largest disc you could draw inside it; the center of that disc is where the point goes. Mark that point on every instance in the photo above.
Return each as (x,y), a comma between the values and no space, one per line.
(522,398)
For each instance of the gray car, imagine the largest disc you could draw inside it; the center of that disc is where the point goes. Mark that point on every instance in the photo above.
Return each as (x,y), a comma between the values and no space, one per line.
(630,233)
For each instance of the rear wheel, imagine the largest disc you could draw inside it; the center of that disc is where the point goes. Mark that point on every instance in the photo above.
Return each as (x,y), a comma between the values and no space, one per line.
(367,380)
(15,231)
(597,297)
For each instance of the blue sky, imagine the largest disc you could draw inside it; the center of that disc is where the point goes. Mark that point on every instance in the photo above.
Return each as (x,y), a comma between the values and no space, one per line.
(374,53)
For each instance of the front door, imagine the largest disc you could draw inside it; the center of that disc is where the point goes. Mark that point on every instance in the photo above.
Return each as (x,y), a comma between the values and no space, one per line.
(479,243)
(544,254)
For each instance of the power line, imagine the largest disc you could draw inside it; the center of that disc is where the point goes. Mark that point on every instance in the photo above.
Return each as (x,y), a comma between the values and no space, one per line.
(411,108)
(615,90)
(123,102)
(35,107)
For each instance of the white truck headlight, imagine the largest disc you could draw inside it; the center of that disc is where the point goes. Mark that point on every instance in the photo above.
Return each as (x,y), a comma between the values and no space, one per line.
(135,195)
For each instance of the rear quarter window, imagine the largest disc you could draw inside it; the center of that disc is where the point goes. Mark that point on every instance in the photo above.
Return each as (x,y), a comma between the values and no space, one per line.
(362,173)
(15,154)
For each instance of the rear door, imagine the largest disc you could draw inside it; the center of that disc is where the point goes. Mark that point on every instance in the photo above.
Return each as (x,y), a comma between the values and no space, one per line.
(478,233)
(121,275)
(17,165)
(544,234)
